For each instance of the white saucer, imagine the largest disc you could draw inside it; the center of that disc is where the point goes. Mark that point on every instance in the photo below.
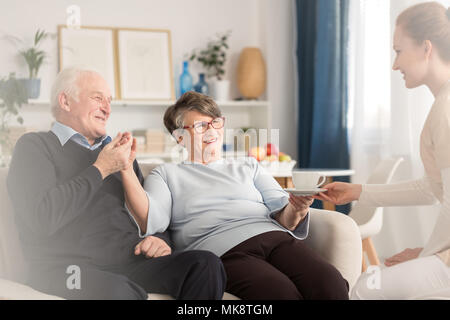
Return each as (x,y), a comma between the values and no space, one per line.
(304,192)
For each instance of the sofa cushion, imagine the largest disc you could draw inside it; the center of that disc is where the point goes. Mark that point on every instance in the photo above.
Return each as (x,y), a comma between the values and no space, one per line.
(146,168)
(10,290)
(12,264)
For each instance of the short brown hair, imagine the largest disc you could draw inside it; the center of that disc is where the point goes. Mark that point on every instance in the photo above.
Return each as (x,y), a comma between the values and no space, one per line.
(190,101)
(428,21)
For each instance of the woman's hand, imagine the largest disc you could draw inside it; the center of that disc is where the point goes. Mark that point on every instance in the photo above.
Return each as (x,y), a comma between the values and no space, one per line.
(300,205)
(405,255)
(340,193)
(294,212)
(125,139)
(152,247)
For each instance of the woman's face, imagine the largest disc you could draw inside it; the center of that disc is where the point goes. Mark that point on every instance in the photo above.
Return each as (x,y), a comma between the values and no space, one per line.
(412,59)
(202,147)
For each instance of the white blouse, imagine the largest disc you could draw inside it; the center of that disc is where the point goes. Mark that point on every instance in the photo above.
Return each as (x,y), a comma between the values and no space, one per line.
(435,186)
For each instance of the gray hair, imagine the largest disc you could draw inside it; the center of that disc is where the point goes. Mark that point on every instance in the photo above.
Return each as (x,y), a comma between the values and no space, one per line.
(66,82)
(190,101)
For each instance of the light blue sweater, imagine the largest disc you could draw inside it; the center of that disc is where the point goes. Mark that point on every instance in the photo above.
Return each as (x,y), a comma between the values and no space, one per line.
(215,206)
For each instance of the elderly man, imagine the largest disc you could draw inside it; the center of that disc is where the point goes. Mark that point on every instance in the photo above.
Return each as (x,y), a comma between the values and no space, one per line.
(76,232)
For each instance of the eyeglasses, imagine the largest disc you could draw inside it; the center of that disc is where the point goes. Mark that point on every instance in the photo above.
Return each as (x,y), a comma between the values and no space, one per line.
(202,126)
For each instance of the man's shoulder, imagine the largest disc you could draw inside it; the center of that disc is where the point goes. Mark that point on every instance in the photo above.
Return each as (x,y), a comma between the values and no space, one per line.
(35,142)
(37,137)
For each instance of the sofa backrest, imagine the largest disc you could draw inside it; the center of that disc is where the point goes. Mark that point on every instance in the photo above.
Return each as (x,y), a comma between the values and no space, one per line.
(12,265)
(146,168)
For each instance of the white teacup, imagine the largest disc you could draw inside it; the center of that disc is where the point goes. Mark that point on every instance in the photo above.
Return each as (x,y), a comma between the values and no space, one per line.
(307,180)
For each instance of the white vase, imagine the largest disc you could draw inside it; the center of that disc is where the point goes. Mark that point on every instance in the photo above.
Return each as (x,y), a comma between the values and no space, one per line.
(220,90)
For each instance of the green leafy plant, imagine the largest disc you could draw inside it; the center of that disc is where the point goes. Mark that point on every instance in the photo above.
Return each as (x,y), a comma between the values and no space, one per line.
(214,56)
(33,56)
(12,96)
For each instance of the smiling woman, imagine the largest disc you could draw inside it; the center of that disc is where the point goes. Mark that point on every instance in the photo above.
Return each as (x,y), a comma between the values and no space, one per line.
(233,208)
(422,31)
(196,122)
(422,44)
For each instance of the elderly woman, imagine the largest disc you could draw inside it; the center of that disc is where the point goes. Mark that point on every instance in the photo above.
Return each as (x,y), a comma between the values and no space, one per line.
(232,208)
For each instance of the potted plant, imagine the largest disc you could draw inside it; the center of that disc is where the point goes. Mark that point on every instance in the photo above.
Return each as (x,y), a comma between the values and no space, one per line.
(213,59)
(34,58)
(12,96)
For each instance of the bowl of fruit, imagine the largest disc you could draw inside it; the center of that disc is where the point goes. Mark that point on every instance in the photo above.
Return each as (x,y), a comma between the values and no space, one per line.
(276,162)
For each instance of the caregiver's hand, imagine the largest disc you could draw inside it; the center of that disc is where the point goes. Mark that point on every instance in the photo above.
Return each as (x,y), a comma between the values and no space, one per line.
(405,255)
(152,247)
(340,193)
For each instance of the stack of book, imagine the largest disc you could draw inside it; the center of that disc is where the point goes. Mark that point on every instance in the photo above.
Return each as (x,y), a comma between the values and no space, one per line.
(150,141)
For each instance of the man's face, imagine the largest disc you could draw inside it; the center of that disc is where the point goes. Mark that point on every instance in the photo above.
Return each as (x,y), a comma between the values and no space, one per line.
(90,113)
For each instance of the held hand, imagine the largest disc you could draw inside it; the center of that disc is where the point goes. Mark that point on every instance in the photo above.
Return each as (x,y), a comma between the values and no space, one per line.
(132,156)
(114,156)
(340,193)
(152,247)
(405,255)
(126,137)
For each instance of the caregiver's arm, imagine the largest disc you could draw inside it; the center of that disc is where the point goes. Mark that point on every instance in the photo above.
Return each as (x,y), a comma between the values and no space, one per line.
(408,193)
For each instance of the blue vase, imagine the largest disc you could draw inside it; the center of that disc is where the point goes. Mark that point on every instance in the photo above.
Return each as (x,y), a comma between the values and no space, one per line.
(32,86)
(201,86)
(185,79)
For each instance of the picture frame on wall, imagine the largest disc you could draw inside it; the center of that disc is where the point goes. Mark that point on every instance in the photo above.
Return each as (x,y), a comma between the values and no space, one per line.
(145,64)
(92,48)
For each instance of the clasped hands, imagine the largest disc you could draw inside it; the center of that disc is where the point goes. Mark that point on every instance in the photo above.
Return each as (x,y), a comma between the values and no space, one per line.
(118,155)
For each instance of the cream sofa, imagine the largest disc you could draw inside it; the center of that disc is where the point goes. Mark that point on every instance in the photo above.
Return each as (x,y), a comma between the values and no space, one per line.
(333,235)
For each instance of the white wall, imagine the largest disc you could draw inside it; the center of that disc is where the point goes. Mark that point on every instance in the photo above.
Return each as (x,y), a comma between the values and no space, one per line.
(264,23)
(278,25)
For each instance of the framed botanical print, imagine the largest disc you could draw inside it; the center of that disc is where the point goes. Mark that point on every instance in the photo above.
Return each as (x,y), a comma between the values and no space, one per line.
(145,64)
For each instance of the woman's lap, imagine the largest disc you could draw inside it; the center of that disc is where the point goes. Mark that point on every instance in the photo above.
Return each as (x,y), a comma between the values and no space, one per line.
(275,265)
(421,278)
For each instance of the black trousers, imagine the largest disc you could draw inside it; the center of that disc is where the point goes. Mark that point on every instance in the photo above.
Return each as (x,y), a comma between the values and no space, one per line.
(274,265)
(183,275)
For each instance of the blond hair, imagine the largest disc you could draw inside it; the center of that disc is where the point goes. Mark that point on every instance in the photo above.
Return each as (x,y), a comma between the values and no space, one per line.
(428,21)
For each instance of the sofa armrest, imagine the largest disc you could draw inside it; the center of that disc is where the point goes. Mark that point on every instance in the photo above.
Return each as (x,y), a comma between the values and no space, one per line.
(336,237)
